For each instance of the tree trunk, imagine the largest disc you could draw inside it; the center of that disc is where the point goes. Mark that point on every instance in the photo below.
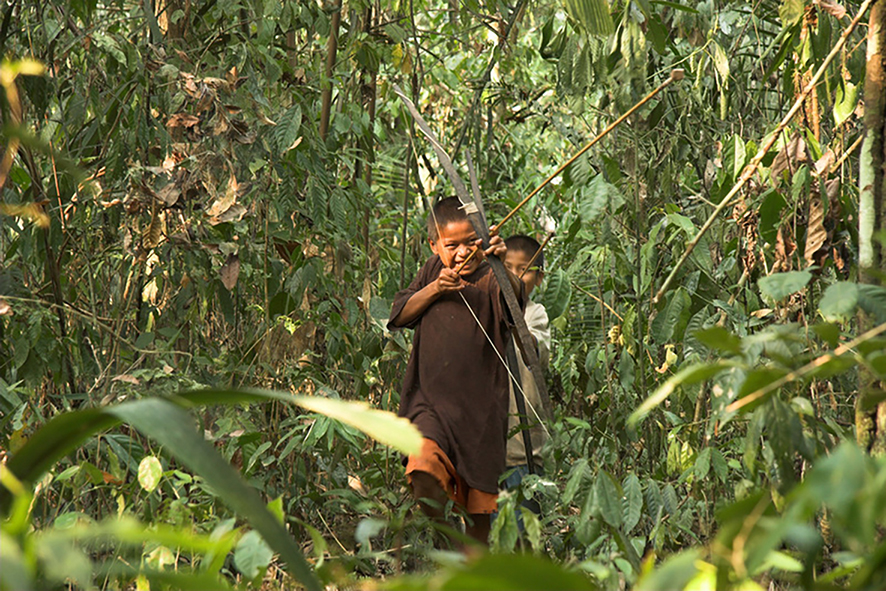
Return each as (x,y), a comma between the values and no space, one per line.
(331,53)
(870,418)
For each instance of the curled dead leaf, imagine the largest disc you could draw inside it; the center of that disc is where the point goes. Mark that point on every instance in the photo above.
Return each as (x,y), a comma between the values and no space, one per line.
(126,378)
(5,308)
(230,271)
(790,158)
(234,213)
(816,233)
(185,120)
(834,9)
(169,194)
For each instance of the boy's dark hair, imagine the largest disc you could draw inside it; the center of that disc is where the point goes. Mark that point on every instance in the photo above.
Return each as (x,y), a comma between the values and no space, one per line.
(528,246)
(444,213)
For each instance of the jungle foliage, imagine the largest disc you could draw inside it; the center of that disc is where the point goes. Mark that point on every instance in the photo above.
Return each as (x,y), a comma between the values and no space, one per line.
(206,207)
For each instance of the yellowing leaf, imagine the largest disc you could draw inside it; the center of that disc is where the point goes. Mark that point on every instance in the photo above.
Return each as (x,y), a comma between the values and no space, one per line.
(149,473)
(30,211)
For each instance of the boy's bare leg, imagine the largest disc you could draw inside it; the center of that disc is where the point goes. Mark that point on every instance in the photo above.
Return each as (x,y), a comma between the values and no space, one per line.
(425,486)
(478,527)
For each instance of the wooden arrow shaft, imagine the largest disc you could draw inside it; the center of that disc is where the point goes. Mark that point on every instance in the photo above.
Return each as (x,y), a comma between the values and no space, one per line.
(675,75)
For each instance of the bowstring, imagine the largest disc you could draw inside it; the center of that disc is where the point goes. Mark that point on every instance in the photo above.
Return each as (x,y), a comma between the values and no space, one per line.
(513,379)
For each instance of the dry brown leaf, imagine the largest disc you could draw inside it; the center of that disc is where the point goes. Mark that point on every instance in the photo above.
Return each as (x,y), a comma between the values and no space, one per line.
(816,234)
(790,158)
(5,308)
(234,213)
(832,8)
(207,98)
(241,133)
(185,120)
(190,85)
(223,203)
(784,250)
(825,162)
(230,271)
(169,194)
(123,377)
(151,234)
(221,123)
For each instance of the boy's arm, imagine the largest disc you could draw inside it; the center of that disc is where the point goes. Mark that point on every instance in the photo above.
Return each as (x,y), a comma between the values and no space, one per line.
(539,328)
(447,282)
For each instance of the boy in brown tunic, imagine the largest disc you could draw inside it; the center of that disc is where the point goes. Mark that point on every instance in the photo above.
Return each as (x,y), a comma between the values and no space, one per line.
(456,386)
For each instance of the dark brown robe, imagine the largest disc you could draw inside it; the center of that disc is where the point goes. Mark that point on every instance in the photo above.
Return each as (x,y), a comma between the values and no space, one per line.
(456,387)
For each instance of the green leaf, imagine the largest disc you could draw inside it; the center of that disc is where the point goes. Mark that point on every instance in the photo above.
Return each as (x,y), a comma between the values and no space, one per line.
(674,573)
(845,101)
(149,473)
(252,555)
(170,425)
(608,499)
(558,292)
(702,464)
(691,374)
(287,130)
(719,339)
(790,12)
(770,215)
(592,15)
(633,502)
(670,323)
(781,285)
(839,301)
(721,468)
(504,572)
(595,199)
(872,299)
(383,426)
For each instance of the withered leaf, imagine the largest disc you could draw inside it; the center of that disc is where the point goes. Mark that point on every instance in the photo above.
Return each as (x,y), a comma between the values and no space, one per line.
(825,162)
(816,234)
(834,9)
(223,203)
(230,271)
(169,194)
(152,233)
(241,133)
(185,120)
(234,213)
(126,378)
(790,158)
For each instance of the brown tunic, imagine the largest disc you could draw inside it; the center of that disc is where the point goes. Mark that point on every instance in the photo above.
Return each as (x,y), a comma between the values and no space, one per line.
(456,388)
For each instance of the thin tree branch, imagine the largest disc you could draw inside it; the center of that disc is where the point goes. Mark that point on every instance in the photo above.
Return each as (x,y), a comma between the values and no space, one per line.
(751,168)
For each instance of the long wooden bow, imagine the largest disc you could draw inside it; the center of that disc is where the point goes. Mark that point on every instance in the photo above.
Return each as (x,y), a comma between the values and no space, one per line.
(478,221)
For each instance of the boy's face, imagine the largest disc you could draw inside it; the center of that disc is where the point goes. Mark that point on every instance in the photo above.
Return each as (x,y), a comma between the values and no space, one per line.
(454,243)
(516,261)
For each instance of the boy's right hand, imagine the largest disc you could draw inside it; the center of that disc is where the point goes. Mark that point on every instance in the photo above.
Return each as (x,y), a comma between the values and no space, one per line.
(449,281)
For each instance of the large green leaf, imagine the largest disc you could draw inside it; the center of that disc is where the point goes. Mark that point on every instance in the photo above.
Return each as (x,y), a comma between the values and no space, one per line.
(558,292)
(691,374)
(845,101)
(592,15)
(166,421)
(839,301)
(781,285)
(174,429)
(608,500)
